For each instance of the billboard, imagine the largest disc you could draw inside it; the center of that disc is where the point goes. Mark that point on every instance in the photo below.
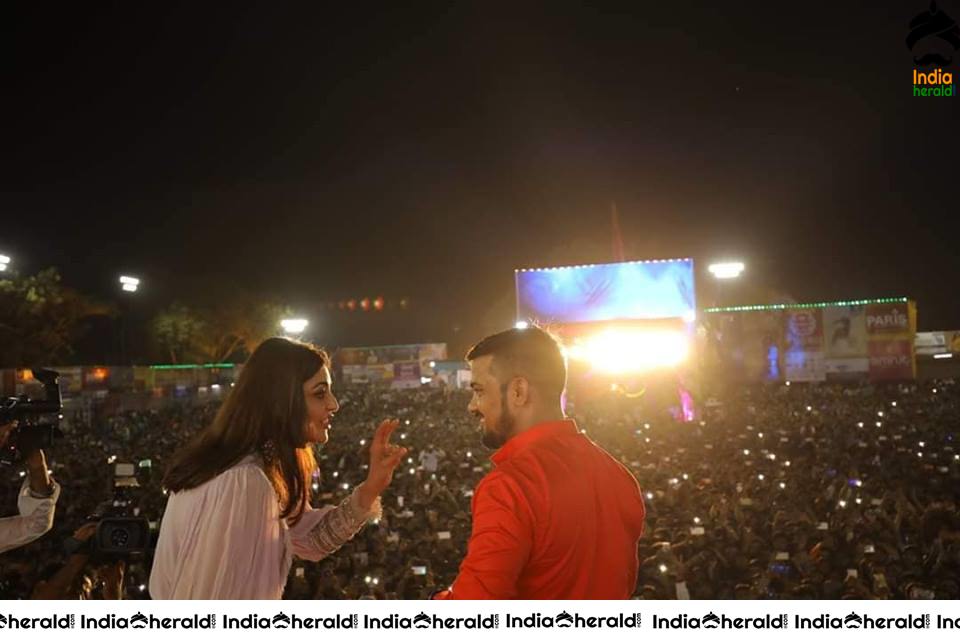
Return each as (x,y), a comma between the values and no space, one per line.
(845,341)
(762,344)
(603,292)
(377,355)
(929,343)
(406,375)
(367,373)
(804,358)
(891,360)
(824,341)
(845,329)
(747,346)
(389,354)
(892,330)
(888,319)
(375,365)
(799,366)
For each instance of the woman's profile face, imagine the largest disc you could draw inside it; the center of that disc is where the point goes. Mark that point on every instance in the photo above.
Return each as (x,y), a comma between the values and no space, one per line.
(321,405)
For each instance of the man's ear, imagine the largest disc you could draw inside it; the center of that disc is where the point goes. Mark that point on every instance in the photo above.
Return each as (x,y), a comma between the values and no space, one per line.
(518,392)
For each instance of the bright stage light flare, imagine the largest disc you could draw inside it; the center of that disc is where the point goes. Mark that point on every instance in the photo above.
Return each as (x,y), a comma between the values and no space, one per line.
(618,351)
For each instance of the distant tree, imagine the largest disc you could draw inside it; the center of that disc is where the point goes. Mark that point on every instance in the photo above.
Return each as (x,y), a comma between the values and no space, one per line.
(180,331)
(236,327)
(222,324)
(40,318)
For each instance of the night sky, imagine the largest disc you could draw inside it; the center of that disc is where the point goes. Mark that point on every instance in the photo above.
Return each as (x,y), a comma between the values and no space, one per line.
(316,155)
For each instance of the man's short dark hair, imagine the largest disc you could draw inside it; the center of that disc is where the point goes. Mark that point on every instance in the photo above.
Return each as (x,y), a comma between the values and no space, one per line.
(531,353)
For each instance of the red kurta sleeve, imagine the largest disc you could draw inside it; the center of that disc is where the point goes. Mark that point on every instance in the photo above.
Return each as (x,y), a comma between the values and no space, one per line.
(499,544)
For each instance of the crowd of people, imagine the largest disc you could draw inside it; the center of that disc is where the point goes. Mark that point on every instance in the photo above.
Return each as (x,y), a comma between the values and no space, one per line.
(799,492)
(775,491)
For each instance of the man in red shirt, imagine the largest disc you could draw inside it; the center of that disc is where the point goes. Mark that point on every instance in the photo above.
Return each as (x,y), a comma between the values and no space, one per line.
(558,517)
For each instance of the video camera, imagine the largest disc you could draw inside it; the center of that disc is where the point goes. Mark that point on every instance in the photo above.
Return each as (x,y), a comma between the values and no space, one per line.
(121,531)
(33,432)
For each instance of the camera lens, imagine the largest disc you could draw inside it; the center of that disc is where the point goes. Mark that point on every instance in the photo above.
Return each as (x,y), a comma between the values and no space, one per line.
(119,537)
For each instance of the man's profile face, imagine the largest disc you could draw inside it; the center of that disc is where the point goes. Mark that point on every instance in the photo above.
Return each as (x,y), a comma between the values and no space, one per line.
(488,404)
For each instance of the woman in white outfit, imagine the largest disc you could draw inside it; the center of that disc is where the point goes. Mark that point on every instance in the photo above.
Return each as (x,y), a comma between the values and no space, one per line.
(239,508)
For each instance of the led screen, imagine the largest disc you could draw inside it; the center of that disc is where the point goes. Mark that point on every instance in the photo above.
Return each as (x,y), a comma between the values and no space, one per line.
(601,292)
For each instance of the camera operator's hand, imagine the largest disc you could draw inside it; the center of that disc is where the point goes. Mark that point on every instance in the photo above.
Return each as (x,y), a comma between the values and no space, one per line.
(85,532)
(40,482)
(5,431)
(79,543)
(112,576)
(62,585)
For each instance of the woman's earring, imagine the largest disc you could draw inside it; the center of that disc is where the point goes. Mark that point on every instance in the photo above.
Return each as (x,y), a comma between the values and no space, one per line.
(269,452)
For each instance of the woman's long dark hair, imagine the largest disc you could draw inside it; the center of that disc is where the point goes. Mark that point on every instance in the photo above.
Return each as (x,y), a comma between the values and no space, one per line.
(266,405)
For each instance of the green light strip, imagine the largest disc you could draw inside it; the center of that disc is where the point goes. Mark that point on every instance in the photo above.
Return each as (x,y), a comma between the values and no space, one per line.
(167,367)
(805,305)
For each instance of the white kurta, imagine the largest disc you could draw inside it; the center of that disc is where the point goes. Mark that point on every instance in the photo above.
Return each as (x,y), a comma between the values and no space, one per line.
(224,540)
(35,519)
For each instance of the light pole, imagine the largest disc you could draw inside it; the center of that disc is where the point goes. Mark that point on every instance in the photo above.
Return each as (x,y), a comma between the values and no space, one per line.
(128,284)
(724,271)
(4,262)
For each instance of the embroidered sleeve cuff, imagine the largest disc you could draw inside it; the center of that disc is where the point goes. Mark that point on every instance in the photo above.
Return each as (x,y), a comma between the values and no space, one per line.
(341,523)
(357,512)
(27,493)
(44,495)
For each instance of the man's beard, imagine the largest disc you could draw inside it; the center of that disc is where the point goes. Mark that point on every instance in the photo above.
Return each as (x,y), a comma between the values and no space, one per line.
(497,436)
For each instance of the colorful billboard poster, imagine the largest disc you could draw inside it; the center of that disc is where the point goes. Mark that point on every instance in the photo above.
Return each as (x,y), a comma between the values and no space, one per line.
(433,352)
(804,358)
(846,368)
(804,330)
(389,354)
(822,341)
(888,319)
(845,332)
(891,327)
(928,343)
(745,346)
(763,345)
(377,355)
(406,375)
(845,341)
(891,360)
(367,374)
(805,366)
